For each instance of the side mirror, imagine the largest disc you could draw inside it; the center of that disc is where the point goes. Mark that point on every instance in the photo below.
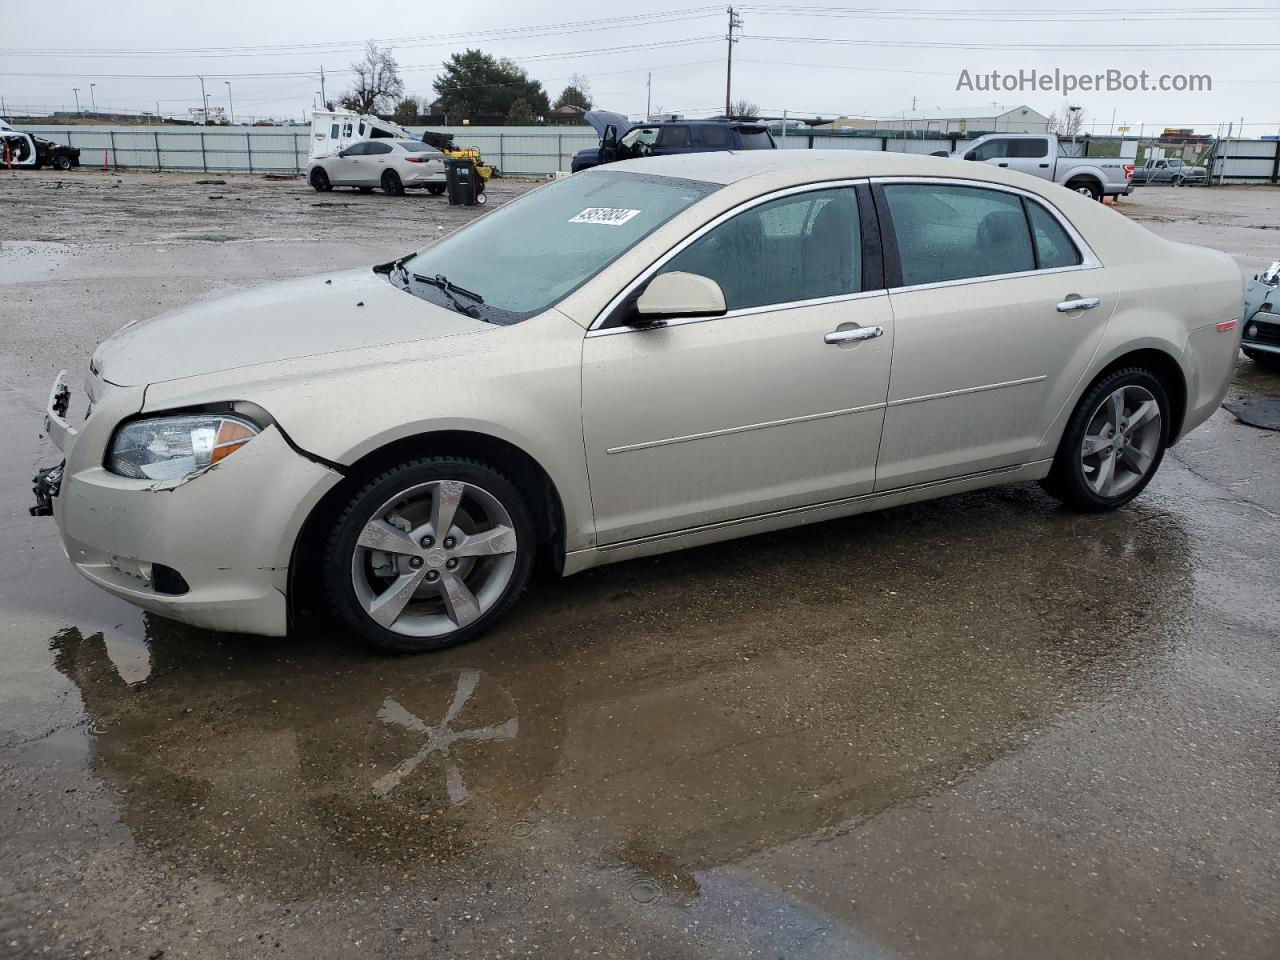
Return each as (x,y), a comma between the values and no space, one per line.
(680,294)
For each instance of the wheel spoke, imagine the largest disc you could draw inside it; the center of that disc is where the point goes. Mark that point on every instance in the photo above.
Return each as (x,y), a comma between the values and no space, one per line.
(1094,443)
(459,600)
(387,606)
(445,497)
(380,535)
(1143,414)
(489,543)
(1135,459)
(1102,479)
(1115,406)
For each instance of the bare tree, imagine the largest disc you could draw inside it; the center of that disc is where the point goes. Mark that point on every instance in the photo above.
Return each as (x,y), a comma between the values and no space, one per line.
(1066,121)
(744,109)
(377,81)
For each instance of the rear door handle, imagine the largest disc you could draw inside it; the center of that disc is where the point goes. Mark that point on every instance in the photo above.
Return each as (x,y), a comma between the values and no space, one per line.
(1001,164)
(852,335)
(1078,303)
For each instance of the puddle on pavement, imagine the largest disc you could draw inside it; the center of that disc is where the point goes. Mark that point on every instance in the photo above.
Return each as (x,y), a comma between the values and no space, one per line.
(663,718)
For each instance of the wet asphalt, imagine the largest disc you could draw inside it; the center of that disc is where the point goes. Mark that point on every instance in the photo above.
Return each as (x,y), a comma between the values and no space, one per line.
(978,727)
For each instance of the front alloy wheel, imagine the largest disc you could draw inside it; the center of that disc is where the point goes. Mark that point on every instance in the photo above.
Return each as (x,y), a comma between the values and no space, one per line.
(430,554)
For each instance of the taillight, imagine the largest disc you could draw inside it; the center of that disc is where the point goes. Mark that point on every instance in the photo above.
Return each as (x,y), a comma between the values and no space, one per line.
(1128,171)
(425,160)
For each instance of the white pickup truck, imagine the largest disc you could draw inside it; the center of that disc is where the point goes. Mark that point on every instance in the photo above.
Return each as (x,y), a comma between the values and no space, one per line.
(1039,155)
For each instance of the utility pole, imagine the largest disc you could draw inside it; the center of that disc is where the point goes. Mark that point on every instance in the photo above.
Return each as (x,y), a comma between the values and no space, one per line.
(735,22)
(76,91)
(204,104)
(230,102)
(913,104)
(323,101)
(648,98)
(93,104)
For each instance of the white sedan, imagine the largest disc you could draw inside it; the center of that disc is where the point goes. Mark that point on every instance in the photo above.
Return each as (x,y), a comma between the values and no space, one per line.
(651,355)
(393,165)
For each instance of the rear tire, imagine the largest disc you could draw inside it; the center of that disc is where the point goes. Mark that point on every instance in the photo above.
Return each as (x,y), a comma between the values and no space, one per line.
(391,184)
(454,583)
(1113,443)
(320,181)
(1086,188)
(62,163)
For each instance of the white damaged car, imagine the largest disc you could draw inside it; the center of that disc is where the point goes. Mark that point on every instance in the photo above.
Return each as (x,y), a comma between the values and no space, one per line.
(643,357)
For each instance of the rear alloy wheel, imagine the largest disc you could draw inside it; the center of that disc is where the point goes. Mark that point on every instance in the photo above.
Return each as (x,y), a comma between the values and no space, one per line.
(1113,443)
(429,554)
(1086,188)
(62,163)
(391,184)
(320,180)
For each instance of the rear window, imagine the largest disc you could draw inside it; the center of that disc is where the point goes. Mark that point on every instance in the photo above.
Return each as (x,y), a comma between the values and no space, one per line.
(755,138)
(415,146)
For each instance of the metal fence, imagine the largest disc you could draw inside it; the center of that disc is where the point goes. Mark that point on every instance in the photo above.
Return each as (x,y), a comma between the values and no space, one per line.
(539,151)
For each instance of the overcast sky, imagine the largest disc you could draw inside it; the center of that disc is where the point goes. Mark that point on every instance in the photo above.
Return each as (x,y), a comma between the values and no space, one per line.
(859,60)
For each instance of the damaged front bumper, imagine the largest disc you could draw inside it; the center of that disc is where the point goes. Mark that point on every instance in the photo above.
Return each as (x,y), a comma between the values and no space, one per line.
(1261,317)
(213,551)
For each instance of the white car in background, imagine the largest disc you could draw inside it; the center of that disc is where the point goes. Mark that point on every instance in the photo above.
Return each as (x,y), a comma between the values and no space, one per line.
(393,165)
(649,355)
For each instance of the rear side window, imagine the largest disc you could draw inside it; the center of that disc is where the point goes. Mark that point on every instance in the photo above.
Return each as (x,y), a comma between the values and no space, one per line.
(346,130)
(1053,247)
(375,148)
(955,233)
(333,131)
(714,136)
(755,138)
(673,137)
(798,247)
(1032,149)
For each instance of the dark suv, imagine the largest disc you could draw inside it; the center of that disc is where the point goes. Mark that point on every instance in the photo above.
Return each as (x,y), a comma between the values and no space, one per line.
(668,136)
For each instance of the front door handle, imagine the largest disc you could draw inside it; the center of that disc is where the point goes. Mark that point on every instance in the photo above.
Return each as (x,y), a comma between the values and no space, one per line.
(1001,164)
(1078,303)
(852,335)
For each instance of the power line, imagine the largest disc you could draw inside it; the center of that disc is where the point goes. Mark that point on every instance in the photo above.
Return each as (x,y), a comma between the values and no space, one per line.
(1022,47)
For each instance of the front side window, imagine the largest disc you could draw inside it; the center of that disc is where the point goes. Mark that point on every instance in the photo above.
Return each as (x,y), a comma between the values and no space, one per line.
(991,150)
(954,233)
(798,247)
(530,253)
(356,150)
(672,137)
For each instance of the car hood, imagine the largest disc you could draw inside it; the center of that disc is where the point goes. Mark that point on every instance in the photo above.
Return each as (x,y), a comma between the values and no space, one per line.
(599,119)
(280,321)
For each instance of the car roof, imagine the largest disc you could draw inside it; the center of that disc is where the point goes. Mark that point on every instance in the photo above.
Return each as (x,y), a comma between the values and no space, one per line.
(806,166)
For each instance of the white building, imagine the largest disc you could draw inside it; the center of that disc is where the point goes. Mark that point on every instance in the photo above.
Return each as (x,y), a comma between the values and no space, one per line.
(995,119)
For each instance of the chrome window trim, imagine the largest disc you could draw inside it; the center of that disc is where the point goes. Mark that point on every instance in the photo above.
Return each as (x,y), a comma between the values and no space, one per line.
(646,274)
(1088,259)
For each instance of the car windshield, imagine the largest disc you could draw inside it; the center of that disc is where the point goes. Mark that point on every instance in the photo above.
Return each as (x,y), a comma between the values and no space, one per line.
(527,255)
(755,138)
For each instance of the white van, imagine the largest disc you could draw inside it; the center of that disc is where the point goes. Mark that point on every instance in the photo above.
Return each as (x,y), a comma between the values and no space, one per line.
(331,132)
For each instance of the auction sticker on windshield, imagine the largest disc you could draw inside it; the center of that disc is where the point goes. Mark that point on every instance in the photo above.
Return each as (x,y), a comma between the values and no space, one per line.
(608,216)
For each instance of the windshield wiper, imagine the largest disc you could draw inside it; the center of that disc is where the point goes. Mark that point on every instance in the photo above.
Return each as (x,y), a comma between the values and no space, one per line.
(442,283)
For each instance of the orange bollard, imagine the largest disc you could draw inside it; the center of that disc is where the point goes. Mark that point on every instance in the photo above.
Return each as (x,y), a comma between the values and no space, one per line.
(8,158)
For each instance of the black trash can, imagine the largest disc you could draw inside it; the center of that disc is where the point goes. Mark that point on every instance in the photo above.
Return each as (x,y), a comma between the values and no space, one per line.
(465,185)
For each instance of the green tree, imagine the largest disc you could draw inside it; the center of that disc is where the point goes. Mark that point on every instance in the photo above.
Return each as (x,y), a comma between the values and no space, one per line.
(474,83)
(577,94)
(406,111)
(521,114)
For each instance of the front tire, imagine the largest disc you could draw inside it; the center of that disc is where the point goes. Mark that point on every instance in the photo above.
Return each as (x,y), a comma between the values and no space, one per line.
(1113,443)
(62,163)
(391,184)
(429,554)
(320,181)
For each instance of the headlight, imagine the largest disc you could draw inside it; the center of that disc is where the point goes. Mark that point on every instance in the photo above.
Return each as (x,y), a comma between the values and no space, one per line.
(170,448)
